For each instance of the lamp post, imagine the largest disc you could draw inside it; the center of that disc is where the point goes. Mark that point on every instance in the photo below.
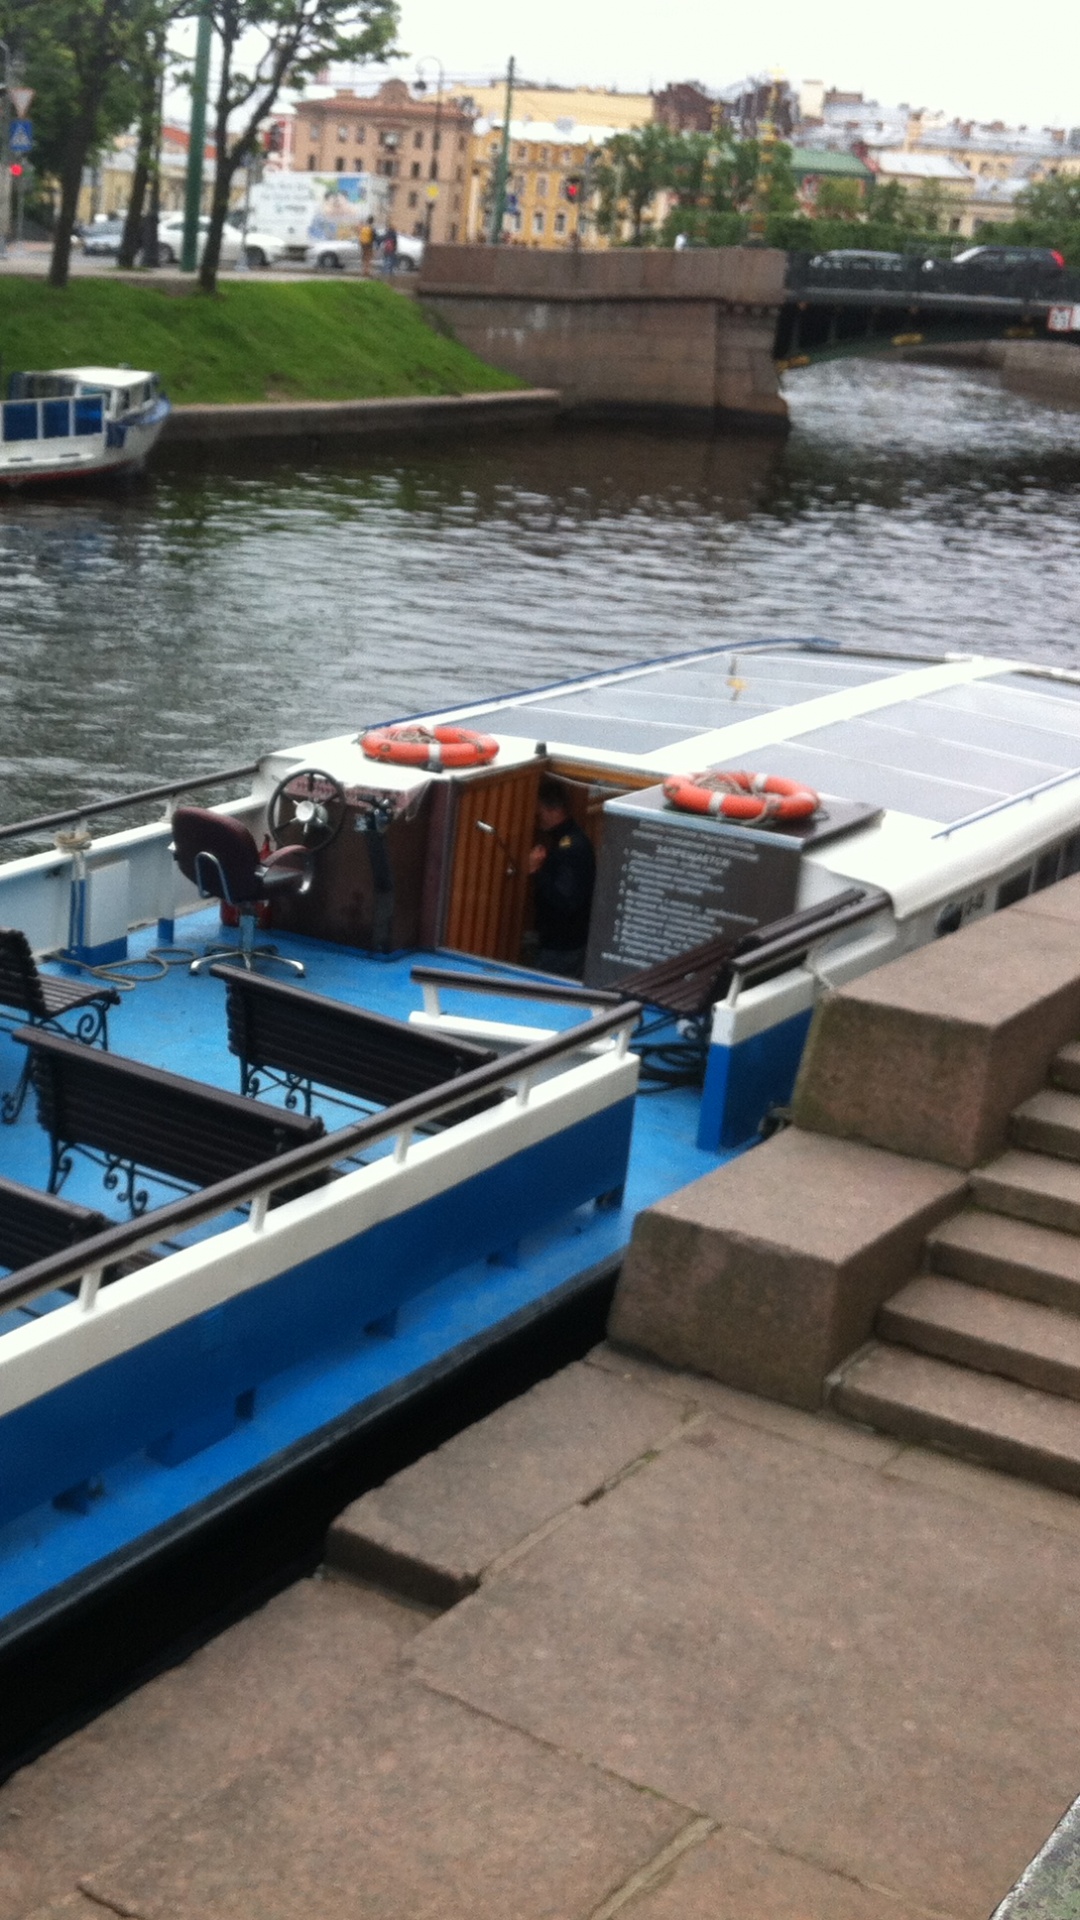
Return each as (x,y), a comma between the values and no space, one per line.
(5,157)
(502,165)
(189,255)
(421,86)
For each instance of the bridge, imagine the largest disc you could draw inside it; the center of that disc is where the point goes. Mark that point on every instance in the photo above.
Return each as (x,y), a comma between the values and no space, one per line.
(700,338)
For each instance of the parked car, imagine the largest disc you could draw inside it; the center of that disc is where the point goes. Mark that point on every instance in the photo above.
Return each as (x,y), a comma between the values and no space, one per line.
(334,255)
(1010,259)
(259,249)
(103,237)
(858,263)
(1015,271)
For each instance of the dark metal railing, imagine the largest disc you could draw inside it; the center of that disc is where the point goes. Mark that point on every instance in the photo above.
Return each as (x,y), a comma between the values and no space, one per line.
(92,1256)
(46,822)
(794,944)
(914,274)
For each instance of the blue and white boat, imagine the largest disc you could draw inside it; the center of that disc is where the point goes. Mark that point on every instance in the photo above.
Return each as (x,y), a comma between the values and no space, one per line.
(207,1343)
(78,422)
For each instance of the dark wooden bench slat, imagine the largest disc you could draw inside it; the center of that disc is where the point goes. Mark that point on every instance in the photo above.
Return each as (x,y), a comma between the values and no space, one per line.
(34,1225)
(309,1037)
(144,1116)
(23,986)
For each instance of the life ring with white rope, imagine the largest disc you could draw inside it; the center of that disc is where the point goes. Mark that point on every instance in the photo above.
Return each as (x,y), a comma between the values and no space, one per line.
(742,796)
(434,748)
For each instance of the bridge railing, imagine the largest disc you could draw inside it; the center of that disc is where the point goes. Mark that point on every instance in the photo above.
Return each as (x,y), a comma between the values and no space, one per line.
(849,271)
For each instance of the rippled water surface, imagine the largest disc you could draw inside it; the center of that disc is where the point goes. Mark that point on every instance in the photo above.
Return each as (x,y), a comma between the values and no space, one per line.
(209,615)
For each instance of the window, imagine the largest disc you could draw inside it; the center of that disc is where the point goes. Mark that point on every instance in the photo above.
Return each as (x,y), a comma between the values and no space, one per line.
(311,163)
(414,170)
(314,130)
(542,156)
(358,163)
(343,134)
(523,153)
(519,183)
(361,134)
(413,198)
(339,162)
(418,138)
(453,233)
(541,187)
(560,223)
(459,174)
(566,156)
(461,143)
(538,223)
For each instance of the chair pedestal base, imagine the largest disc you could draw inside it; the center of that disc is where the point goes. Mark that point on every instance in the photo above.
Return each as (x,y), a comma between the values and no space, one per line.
(247,954)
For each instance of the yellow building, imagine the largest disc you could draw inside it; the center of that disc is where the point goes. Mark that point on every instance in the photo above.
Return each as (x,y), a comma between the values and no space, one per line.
(543,156)
(584,106)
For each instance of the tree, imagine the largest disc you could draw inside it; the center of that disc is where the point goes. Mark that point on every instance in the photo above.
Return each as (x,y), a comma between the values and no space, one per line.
(1052,202)
(838,199)
(81,57)
(298,38)
(886,201)
(632,170)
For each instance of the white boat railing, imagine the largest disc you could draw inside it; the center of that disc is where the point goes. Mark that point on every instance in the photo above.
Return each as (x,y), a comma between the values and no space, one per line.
(84,1265)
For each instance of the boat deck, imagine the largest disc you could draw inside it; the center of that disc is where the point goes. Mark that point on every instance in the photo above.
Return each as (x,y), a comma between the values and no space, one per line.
(177,1022)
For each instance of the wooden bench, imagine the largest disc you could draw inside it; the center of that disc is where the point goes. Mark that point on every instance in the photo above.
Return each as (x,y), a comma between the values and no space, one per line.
(43,999)
(34,1225)
(135,1119)
(285,1036)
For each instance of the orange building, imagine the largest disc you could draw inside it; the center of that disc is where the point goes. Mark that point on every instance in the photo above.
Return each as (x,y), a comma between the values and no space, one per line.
(417,144)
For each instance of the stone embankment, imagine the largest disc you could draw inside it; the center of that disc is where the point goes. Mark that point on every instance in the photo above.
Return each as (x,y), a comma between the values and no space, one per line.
(344,422)
(1046,370)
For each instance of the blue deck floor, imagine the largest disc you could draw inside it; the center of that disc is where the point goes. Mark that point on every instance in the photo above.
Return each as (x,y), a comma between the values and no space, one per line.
(177,1022)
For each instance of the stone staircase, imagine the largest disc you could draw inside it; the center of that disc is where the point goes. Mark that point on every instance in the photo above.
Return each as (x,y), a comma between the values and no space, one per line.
(980,1353)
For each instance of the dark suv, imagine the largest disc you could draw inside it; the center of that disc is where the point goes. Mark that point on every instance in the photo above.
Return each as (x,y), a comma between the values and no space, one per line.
(1015,272)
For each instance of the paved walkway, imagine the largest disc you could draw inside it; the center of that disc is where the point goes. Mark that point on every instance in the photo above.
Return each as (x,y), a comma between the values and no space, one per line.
(720,1661)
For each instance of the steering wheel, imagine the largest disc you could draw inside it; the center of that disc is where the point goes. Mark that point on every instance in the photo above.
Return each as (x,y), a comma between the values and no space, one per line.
(309,807)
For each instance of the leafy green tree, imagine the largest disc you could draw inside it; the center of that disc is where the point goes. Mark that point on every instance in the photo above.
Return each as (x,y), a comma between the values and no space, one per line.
(82,59)
(885,202)
(631,172)
(1052,202)
(924,208)
(295,39)
(838,199)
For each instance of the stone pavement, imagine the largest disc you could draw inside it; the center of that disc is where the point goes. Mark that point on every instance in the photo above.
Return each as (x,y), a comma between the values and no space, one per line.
(715,1659)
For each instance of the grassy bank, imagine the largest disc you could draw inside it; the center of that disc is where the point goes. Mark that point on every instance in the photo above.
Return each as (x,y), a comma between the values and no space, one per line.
(298,340)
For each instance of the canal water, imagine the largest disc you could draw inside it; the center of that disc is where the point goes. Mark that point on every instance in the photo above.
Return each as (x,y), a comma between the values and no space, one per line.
(208,615)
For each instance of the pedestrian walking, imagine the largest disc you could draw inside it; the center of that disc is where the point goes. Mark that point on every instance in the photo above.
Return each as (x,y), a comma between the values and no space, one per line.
(367,248)
(389,249)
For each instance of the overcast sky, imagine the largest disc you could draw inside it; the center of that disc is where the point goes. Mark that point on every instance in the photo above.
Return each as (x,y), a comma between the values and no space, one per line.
(1010,62)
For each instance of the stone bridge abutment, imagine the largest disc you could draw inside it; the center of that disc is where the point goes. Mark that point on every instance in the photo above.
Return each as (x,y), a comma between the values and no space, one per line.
(679,339)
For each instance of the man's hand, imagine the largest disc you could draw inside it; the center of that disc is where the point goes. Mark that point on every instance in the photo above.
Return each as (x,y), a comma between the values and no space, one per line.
(537,856)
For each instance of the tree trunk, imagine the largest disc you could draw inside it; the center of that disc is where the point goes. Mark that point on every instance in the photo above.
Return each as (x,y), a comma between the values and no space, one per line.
(144,157)
(70,181)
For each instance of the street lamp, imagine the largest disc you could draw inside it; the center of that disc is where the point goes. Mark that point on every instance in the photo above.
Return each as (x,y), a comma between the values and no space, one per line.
(5,177)
(420,85)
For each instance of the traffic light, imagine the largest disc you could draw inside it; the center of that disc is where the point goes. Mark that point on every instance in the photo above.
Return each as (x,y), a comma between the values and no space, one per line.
(15,170)
(572,188)
(274,138)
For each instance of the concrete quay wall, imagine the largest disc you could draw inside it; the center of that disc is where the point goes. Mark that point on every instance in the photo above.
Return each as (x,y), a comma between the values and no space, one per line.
(674,338)
(342,421)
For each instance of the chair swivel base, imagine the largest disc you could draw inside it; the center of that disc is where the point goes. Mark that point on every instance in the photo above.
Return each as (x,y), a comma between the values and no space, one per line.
(247,954)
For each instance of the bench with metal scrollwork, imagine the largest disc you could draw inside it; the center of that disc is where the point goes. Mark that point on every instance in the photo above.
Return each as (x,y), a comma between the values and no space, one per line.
(287,1037)
(34,1225)
(44,999)
(139,1122)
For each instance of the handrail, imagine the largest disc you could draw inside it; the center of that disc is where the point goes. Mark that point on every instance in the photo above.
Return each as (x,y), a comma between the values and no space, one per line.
(570,995)
(91,1256)
(1008,800)
(43,822)
(802,939)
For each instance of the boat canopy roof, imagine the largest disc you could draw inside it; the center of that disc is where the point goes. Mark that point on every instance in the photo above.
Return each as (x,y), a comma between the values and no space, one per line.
(95,376)
(935,739)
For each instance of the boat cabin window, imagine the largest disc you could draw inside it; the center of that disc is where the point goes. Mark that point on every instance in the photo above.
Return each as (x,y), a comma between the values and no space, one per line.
(1015,889)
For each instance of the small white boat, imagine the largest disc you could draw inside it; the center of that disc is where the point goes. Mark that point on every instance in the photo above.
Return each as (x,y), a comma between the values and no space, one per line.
(71,422)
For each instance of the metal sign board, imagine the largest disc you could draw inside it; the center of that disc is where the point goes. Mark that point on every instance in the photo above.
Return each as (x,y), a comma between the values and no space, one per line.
(1064,320)
(21,137)
(20,99)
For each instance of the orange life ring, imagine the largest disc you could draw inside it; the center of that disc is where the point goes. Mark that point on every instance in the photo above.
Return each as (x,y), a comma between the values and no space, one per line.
(742,796)
(411,745)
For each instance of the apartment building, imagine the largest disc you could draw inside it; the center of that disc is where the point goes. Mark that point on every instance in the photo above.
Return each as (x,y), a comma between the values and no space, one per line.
(543,156)
(421,145)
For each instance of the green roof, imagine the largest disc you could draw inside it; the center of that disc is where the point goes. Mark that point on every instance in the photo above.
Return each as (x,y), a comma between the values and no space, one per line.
(824,161)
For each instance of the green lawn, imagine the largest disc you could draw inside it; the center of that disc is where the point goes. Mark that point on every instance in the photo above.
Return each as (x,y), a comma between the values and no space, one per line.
(298,340)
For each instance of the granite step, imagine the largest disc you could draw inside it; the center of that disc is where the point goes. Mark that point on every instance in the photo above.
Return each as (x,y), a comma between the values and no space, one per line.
(1065,1071)
(1030,1186)
(1009,1256)
(1048,1123)
(1038,1346)
(996,1422)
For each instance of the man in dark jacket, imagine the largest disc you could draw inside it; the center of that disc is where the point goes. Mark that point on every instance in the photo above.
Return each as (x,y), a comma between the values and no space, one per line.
(563,867)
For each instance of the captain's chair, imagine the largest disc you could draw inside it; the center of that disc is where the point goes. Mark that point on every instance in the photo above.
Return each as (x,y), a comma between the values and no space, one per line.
(221,858)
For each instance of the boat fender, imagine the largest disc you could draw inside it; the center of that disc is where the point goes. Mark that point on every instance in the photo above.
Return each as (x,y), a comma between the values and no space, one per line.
(434,748)
(742,796)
